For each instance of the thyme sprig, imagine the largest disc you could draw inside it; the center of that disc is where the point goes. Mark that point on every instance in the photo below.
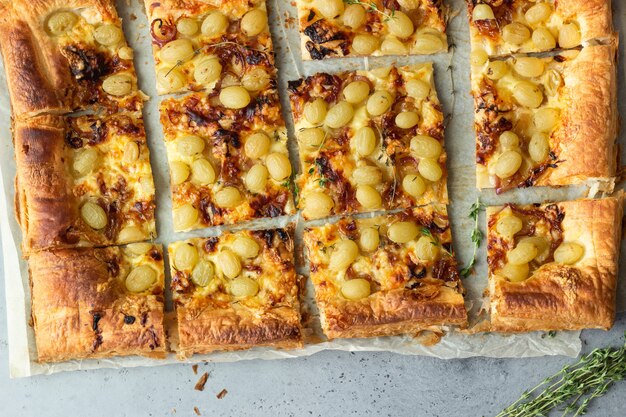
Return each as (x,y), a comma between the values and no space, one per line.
(434,239)
(291,184)
(372,7)
(574,386)
(322,180)
(476,235)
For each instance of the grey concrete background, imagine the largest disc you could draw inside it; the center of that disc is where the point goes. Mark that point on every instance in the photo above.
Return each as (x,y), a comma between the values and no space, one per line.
(326,384)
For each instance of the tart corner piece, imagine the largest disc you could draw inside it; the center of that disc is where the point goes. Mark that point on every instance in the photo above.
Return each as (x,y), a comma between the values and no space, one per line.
(554,266)
(386,275)
(339,28)
(227,165)
(369,140)
(519,26)
(198,44)
(98,302)
(547,121)
(83,181)
(60,58)
(236,291)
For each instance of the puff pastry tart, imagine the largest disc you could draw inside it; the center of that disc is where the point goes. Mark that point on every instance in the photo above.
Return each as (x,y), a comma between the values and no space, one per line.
(387,275)
(554,266)
(198,44)
(499,27)
(228,158)
(61,56)
(83,181)
(98,302)
(369,140)
(236,291)
(336,28)
(546,121)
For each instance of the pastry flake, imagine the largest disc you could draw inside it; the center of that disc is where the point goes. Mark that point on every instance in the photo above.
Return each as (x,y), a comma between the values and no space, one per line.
(500,27)
(554,266)
(236,291)
(199,45)
(62,56)
(83,181)
(98,302)
(338,28)
(546,121)
(387,275)
(369,140)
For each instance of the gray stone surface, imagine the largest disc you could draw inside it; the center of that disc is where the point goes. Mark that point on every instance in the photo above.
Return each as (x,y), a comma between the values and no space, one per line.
(327,384)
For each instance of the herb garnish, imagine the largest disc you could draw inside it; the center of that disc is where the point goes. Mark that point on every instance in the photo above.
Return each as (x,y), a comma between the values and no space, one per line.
(434,240)
(322,180)
(372,7)
(575,385)
(476,236)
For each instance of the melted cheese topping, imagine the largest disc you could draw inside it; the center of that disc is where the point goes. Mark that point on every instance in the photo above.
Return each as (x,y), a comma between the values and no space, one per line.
(391,265)
(543,222)
(323,37)
(226,153)
(115,180)
(230,48)
(392,157)
(139,254)
(496,45)
(81,35)
(503,102)
(272,269)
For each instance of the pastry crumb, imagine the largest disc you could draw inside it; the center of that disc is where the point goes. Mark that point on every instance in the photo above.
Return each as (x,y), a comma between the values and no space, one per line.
(195,369)
(222,394)
(197,411)
(201,382)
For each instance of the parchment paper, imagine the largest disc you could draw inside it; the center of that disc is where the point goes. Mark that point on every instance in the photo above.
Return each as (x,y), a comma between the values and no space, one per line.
(452,79)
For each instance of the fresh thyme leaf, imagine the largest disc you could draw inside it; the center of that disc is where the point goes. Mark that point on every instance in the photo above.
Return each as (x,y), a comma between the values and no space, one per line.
(372,7)
(573,386)
(476,235)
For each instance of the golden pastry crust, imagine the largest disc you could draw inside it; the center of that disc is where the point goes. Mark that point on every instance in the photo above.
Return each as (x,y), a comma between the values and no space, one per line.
(557,296)
(593,19)
(82,309)
(50,191)
(225,133)
(414,286)
(587,139)
(58,73)
(322,37)
(335,167)
(581,87)
(258,306)
(241,56)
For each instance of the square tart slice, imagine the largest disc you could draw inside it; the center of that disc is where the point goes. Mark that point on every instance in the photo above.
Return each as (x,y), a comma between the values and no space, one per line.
(236,291)
(83,181)
(62,56)
(554,266)
(502,27)
(386,275)
(198,44)
(546,121)
(337,28)
(227,165)
(369,140)
(98,302)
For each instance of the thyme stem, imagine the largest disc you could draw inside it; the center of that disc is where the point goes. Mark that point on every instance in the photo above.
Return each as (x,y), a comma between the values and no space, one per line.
(575,385)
